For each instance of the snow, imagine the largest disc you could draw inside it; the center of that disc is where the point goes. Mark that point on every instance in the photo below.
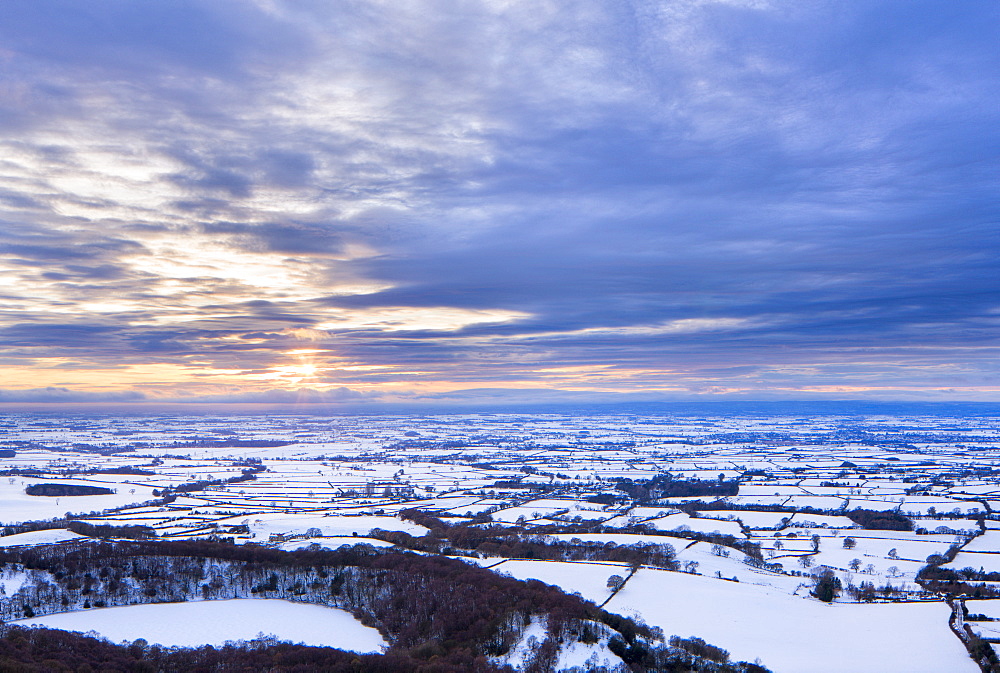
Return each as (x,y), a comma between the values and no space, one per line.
(988,607)
(921,505)
(215,622)
(988,541)
(586,657)
(650,512)
(984,561)
(625,539)
(873,504)
(946,524)
(990,630)
(871,546)
(802,519)
(12,579)
(333,542)
(731,566)
(38,537)
(758,500)
(682,522)
(791,634)
(512,514)
(263,526)
(333,478)
(816,501)
(752,519)
(16,505)
(590,580)
(770,489)
(532,636)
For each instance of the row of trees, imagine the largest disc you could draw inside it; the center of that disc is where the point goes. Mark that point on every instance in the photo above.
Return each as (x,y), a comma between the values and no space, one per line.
(247,474)
(534,542)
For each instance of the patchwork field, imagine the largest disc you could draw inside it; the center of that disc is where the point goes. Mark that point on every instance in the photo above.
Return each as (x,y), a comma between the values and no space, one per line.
(807,544)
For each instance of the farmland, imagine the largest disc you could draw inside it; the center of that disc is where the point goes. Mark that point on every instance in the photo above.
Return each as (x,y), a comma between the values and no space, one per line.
(872,540)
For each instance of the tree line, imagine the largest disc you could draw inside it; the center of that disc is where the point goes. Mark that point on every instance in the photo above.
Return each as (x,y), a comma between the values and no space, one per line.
(493,539)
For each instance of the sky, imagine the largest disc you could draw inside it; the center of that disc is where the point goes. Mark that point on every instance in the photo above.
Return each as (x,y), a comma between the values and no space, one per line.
(374,201)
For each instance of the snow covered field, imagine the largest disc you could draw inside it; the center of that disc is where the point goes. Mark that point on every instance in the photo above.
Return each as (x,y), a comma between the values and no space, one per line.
(37,537)
(590,580)
(16,505)
(331,481)
(215,622)
(791,634)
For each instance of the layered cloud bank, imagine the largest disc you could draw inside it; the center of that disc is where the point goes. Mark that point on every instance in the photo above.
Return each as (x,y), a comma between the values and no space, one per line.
(394,201)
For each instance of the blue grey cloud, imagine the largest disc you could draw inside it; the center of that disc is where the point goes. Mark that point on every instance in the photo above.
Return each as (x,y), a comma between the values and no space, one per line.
(341,395)
(66,396)
(723,195)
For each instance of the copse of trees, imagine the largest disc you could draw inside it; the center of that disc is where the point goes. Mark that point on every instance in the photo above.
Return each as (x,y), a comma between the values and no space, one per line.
(603,499)
(873,520)
(826,586)
(55,490)
(665,486)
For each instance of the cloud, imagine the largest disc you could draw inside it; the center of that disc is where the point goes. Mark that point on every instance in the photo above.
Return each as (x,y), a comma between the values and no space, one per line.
(805,193)
(64,395)
(221,38)
(278,396)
